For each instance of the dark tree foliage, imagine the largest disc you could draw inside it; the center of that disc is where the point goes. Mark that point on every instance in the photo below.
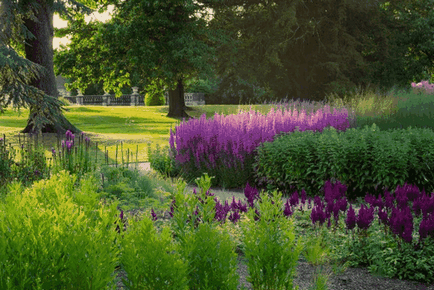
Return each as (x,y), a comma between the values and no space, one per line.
(307,49)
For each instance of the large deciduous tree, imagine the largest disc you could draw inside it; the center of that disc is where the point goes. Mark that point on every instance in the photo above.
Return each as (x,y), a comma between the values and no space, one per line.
(145,40)
(27,26)
(309,48)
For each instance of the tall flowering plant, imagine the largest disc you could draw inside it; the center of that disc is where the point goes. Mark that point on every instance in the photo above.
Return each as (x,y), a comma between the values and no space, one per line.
(73,157)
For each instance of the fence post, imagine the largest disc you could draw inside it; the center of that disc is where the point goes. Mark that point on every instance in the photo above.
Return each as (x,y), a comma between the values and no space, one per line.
(79,97)
(135,97)
(106,99)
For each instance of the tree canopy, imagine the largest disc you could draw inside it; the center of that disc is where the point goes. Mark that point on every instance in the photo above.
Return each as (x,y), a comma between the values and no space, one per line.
(300,49)
(306,49)
(144,40)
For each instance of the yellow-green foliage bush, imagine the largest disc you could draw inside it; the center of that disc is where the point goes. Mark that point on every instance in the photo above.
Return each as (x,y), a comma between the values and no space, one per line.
(154,99)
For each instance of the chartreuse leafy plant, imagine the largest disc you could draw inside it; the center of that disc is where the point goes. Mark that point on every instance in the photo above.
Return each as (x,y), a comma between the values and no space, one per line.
(148,259)
(55,237)
(269,246)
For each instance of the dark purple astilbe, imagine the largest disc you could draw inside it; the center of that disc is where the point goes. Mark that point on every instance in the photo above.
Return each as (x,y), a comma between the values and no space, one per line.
(426,227)
(401,223)
(351,218)
(318,214)
(293,201)
(234,217)
(287,212)
(425,203)
(154,216)
(365,217)
(251,194)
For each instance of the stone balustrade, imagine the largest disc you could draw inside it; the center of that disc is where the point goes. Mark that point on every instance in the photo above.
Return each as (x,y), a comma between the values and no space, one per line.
(134,99)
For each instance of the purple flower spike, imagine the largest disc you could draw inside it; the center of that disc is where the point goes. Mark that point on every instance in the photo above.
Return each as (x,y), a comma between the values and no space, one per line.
(234,217)
(294,199)
(69,145)
(154,216)
(365,218)
(287,212)
(122,215)
(63,144)
(303,196)
(234,204)
(426,228)
(351,218)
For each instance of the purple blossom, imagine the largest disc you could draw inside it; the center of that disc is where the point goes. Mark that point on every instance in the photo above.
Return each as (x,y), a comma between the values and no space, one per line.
(365,217)
(287,212)
(351,218)
(426,227)
(68,145)
(294,199)
(154,216)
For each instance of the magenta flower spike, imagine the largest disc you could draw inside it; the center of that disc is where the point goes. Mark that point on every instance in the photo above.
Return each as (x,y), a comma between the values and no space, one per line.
(365,217)
(154,216)
(69,145)
(351,218)
(287,212)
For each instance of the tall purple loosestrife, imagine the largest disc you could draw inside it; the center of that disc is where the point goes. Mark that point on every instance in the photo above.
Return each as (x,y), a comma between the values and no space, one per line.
(238,135)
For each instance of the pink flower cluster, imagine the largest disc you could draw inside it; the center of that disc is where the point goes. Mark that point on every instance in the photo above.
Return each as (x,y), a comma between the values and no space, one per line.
(424,86)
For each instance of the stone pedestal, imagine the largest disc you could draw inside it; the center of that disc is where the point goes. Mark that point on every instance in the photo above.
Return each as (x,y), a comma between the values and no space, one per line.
(80,98)
(106,99)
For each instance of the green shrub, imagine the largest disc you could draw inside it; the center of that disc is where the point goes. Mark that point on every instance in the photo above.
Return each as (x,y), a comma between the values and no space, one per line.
(65,101)
(155,94)
(154,99)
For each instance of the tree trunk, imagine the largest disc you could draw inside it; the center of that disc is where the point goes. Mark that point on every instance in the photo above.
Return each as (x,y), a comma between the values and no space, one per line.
(40,50)
(177,103)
